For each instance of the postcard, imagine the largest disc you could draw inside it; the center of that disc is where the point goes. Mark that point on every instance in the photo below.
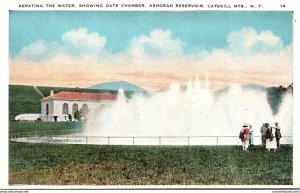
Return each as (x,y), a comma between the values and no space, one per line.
(150,94)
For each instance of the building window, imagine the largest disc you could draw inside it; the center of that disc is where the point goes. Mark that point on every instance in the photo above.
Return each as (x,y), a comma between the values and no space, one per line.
(74,108)
(85,109)
(47,109)
(65,109)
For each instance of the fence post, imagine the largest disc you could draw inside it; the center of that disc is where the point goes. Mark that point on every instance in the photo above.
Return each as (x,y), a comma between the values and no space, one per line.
(108,140)
(159,140)
(86,140)
(132,140)
(188,140)
(217,140)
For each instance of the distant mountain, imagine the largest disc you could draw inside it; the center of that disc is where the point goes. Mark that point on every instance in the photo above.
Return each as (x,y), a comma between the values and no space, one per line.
(274,94)
(257,87)
(126,86)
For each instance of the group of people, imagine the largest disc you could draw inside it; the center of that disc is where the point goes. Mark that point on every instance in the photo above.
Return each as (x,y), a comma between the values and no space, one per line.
(267,136)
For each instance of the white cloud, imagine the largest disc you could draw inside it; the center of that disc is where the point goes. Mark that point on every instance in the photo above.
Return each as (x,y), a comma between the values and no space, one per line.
(35,51)
(249,53)
(158,43)
(81,39)
(77,42)
(249,41)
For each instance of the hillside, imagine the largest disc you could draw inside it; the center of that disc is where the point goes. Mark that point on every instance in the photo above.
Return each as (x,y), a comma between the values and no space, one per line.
(256,87)
(46,90)
(23,99)
(274,94)
(26,99)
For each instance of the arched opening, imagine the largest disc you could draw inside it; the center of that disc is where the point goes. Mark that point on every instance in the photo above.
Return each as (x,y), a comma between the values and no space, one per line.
(74,108)
(65,108)
(85,109)
(47,109)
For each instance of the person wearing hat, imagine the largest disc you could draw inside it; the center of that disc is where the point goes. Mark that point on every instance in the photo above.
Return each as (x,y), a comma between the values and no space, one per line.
(251,141)
(246,131)
(277,134)
(263,131)
(270,142)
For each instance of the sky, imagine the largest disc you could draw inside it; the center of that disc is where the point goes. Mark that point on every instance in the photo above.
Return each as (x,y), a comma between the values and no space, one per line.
(151,49)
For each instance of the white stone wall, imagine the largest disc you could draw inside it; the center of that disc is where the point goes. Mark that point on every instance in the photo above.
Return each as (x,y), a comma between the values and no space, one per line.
(48,117)
(56,108)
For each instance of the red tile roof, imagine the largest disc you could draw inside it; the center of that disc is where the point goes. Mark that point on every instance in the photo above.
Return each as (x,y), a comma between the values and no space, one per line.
(81,96)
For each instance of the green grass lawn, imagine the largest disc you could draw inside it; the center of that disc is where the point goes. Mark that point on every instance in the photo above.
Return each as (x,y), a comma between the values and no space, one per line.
(147,165)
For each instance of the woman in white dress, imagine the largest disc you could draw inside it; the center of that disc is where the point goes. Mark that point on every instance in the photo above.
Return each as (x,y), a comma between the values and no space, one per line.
(270,140)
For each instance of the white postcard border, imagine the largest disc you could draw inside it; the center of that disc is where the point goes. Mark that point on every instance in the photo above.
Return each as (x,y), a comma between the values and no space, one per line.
(266,6)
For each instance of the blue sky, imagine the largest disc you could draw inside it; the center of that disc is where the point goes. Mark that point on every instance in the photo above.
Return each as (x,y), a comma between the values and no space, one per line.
(151,49)
(198,30)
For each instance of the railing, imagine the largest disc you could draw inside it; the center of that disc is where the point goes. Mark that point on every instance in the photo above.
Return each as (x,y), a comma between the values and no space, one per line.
(45,133)
(140,140)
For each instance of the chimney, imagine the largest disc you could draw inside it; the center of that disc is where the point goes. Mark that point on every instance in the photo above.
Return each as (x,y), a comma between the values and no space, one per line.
(51,93)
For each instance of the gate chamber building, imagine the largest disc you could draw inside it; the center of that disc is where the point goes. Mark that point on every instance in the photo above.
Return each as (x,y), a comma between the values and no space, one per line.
(62,106)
